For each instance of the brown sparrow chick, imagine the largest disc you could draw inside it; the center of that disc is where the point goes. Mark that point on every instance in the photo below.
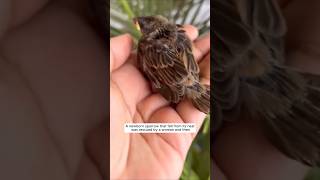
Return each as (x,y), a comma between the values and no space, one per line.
(251,79)
(165,56)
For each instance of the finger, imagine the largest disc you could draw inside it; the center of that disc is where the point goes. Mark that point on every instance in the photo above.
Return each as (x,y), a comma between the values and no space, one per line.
(190,114)
(128,77)
(179,141)
(148,106)
(185,109)
(204,66)
(191,31)
(156,109)
(201,47)
(120,48)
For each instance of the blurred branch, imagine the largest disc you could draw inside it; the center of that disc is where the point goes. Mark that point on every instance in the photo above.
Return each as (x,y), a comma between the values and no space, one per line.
(190,5)
(115,32)
(177,14)
(138,9)
(126,8)
(197,11)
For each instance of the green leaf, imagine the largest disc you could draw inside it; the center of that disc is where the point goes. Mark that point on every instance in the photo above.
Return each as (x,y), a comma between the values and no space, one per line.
(126,7)
(115,32)
(206,125)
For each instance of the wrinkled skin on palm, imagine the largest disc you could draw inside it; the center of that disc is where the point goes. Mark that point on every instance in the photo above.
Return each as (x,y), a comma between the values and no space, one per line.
(250,78)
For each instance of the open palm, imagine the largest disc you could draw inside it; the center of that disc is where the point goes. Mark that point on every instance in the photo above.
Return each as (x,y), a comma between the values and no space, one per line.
(131,100)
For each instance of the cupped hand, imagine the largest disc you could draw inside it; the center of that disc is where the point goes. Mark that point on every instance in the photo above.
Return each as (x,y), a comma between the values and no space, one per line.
(156,156)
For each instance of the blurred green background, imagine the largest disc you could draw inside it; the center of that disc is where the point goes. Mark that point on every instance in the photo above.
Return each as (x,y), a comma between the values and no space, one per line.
(314,174)
(195,12)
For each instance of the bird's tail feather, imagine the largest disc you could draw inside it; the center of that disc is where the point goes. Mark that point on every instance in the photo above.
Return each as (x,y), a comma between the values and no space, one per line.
(202,100)
(295,130)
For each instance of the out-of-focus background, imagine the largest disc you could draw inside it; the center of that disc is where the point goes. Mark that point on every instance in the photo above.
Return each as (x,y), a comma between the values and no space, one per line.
(314,174)
(195,12)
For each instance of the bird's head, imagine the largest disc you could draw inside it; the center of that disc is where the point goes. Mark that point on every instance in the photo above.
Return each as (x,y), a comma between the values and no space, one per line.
(148,24)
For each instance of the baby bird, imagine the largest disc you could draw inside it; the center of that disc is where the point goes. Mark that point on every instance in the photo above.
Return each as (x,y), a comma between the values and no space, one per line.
(165,56)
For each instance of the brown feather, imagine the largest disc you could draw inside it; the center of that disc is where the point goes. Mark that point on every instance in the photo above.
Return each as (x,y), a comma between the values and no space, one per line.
(165,56)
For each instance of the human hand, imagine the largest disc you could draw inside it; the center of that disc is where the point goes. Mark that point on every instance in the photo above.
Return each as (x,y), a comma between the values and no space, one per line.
(148,156)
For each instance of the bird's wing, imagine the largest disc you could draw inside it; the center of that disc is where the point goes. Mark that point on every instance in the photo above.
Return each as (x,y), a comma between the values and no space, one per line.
(290,114)
(231,40)
(265,18)
(184,48)
(247,39)
(232,37)
(162,63)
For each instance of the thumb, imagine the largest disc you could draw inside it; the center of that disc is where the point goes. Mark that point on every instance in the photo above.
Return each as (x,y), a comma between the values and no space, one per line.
(120,48)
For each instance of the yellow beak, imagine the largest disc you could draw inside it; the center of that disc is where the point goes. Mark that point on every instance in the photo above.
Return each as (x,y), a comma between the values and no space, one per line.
(137,25)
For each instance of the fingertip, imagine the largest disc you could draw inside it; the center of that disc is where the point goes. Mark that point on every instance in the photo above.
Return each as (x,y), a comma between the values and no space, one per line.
(148,106)
(120,48)
(191,31)
(123,41)
(204,41)
(190,114)
(125,36)
(204,66)
(201,47)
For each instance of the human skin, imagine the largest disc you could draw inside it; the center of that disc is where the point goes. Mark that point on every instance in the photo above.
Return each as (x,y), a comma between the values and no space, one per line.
(241,151)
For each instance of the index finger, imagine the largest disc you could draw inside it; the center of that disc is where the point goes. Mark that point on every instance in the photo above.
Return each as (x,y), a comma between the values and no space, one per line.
(120,48)
(201,45)
(191,31)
